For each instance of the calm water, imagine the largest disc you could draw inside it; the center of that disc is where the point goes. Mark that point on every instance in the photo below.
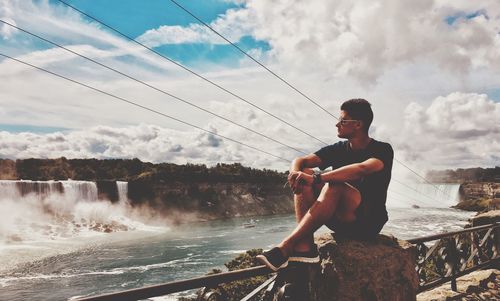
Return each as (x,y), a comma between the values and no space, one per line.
(57,269)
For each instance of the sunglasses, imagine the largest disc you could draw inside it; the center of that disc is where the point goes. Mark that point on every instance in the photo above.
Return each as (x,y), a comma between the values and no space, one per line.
(345,121)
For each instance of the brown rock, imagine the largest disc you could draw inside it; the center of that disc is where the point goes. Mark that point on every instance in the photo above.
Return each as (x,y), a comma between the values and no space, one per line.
(353,270)
(479,196)
(485,218)
(8,169)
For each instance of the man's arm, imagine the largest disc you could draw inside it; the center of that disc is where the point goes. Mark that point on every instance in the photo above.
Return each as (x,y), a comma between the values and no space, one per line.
(353,171)
(308,161)
(346,173)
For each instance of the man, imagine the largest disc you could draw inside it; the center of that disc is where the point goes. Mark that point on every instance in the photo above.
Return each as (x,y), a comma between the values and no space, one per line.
(349,199)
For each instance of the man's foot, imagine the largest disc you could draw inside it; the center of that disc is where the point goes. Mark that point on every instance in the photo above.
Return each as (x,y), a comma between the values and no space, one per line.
(273,259)
(311,256)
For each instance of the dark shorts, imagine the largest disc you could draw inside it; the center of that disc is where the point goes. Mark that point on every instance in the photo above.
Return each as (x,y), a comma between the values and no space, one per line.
(363,228)
(360,229)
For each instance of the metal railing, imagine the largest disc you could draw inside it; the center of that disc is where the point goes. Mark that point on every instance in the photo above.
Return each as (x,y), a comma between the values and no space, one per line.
(452,255)
(209,281)
(455,254)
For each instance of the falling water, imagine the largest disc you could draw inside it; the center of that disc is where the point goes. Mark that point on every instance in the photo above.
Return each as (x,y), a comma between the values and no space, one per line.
(51,210)
(122,192)
(422,195)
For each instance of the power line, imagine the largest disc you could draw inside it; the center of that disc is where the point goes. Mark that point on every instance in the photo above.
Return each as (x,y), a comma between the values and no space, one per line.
(253,59)
(406,196)
(160,113)
(281,78)
(142,107)
(192,72)
(418,175)
(224,89)
(152,87)
(408,186)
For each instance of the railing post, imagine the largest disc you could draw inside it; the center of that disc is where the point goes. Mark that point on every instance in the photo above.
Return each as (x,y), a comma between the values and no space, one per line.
(454,284)
(295,283)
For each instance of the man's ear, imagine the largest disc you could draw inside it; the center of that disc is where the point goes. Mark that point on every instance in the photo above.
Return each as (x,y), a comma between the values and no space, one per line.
(359,124)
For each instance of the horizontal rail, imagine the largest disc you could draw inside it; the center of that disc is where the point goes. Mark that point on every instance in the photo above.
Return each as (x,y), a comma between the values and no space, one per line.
(447,234)
(182,285)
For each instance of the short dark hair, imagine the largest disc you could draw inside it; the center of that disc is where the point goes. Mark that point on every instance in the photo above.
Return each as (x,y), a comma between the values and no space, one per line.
(359,109)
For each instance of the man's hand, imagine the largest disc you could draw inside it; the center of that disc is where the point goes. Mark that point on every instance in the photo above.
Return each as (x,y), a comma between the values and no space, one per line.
(297,179)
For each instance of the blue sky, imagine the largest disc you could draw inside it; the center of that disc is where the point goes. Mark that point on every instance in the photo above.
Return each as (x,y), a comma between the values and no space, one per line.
(425,66)
(133,18)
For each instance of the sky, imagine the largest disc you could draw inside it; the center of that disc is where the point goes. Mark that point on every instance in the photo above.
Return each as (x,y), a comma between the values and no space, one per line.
(430,68)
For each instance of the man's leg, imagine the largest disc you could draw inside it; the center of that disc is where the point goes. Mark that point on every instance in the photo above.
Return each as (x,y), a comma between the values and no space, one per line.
(339,200)
(302,202)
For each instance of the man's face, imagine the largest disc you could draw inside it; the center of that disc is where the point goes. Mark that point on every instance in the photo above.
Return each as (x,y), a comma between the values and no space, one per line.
(346,127)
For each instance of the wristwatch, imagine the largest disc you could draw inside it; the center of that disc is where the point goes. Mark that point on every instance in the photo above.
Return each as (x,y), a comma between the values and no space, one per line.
(317,178)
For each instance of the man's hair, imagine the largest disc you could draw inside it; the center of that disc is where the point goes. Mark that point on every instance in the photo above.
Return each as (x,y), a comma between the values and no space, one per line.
(359,109)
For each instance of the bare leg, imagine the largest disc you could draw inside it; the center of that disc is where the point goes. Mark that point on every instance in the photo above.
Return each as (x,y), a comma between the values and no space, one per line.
(337,196)
(303,201)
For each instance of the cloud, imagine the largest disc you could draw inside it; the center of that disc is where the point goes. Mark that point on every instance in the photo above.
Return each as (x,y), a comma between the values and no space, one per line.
(6,14)
(364,39)
(462,128)
(361,39)
(147,142)
(233,24)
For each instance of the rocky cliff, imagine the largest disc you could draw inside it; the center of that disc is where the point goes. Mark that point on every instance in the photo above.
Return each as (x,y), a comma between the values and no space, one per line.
(179,191)
(479,196)
(209,200)
(479,187)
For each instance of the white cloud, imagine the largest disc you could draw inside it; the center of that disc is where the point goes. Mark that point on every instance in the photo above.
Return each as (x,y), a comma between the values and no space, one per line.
(6,14)
(233,24)
(462,128)
(364,39)
(146,142)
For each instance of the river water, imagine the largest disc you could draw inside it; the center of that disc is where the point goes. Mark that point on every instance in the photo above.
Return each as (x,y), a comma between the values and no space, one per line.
(55,249)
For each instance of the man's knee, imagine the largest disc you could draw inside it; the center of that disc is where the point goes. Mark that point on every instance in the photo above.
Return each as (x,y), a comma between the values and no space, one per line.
(331,191)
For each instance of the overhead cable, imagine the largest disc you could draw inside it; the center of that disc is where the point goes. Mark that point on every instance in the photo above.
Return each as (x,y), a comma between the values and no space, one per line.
(281,78)
(142,107)
(160,113)
(253,59)
(226,90)
(193,72)
(153,87)
(408,186)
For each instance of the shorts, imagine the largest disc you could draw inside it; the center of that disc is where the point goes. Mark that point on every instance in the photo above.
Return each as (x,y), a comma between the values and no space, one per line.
(360,229)
(363,228)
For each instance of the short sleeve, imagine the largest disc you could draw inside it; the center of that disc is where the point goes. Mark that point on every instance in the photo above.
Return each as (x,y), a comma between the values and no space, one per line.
(384,153)
(329,154)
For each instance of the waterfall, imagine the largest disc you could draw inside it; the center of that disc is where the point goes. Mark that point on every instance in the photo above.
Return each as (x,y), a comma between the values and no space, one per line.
(21,188)
(122,192)
(51,210)
(423,195)
(80,190)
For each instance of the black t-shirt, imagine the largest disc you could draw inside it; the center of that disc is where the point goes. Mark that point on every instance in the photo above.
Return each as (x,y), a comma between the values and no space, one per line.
(373,187)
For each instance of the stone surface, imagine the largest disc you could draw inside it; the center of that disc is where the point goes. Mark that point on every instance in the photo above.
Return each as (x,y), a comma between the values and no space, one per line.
(8,170)
(353,270)
(479,285)
(485,218)
(479,196)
